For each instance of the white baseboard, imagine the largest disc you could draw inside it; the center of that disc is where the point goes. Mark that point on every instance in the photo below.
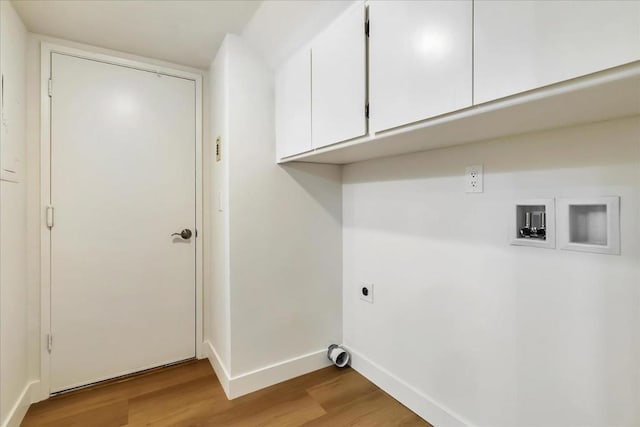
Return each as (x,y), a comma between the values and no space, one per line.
(423,405)
(277,373)
(39,392)
(264,377)
(217,365)
(21,406)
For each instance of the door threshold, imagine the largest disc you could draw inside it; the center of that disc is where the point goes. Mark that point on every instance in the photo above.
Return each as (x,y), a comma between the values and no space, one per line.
(123,378)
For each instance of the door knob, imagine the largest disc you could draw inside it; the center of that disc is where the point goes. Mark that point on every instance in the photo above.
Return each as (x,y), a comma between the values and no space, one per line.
(185,234)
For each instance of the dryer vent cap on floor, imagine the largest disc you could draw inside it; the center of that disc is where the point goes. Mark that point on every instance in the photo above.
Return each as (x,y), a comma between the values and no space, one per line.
(338,355)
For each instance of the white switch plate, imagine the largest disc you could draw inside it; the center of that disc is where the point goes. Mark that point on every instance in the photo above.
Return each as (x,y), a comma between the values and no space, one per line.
(220,207)
(473,179)
(366,288)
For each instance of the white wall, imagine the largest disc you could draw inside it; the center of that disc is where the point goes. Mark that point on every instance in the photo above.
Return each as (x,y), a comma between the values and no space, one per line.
(498,335)
(13,225)
(285,232)
(217,299)
(284,236)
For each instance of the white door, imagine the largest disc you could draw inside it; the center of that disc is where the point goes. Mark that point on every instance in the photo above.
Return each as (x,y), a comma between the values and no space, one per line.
(420,60)
(339,80)
(122,181)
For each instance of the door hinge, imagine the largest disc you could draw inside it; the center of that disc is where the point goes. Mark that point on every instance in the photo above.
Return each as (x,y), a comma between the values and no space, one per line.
(366,110)
(50,87)
(50,216)
(366,27)
(49,342)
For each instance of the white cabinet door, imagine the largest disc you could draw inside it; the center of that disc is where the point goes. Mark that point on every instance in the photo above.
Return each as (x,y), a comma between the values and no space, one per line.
(293,105)
(339,80)
(420,60)
(523,45)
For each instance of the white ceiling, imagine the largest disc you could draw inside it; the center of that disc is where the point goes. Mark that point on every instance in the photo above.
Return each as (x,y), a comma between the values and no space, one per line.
(280,27)
(183,32)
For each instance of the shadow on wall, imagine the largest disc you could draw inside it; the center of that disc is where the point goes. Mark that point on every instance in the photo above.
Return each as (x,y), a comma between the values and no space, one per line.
(320,182)
(604,143)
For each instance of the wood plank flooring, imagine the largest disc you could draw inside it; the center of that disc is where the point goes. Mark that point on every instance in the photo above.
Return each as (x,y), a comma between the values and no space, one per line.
(190,395)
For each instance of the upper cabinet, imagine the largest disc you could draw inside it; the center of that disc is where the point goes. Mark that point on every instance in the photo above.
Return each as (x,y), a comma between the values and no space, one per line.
(429,69)
(339,80)
(293,105)
(420,55)
(524,45)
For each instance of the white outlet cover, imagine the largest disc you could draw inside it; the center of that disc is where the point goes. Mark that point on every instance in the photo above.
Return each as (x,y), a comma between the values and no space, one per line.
(369,297)
(473,176)
(219,200)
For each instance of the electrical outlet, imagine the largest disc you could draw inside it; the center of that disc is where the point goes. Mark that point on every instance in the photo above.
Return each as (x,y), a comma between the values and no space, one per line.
(473,178)
(365,290)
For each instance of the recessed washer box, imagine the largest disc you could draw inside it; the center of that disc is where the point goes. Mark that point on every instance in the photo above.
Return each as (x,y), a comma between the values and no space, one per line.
(590,224)
(533,223)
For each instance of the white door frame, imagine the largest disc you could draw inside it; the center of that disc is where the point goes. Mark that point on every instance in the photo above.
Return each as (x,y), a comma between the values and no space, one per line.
(45,193)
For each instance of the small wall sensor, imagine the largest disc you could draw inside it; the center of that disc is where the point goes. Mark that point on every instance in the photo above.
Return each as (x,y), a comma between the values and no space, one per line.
(218,149)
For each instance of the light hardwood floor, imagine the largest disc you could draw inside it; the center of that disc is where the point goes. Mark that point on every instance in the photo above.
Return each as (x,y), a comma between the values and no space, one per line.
(190,395)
